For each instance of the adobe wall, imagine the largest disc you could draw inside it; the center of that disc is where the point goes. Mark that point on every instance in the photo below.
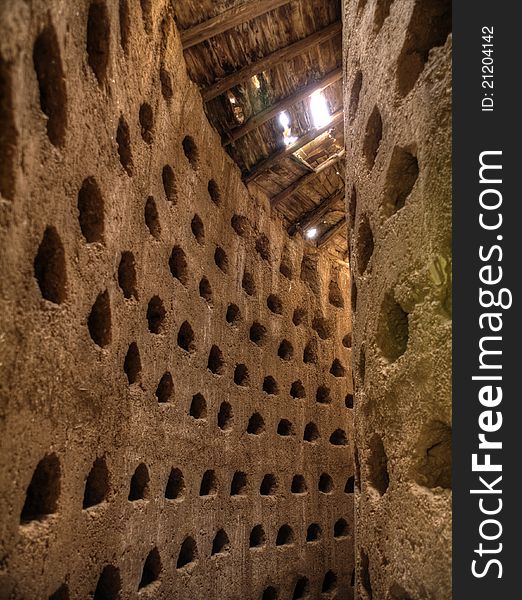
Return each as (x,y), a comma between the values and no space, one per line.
(175,371)
(397,61)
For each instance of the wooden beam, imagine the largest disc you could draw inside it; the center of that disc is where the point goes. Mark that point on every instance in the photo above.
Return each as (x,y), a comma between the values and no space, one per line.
(305,179)
(227,20)
(272,111)
(269,162)
(330,233)
(301,162)
(271,60)
(313,216)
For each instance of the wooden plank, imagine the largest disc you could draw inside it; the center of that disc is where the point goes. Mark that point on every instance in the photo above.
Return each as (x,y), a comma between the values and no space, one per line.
(301,163)
(272,111)
(269,162)
(330,233)
(302,181)
(269,61)
(228,19)
(312,217)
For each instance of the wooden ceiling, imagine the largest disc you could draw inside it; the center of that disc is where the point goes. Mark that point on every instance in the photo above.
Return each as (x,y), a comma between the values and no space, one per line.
(253,59)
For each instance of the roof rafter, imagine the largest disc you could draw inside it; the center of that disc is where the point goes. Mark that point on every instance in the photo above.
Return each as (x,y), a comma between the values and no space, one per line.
(227,20)
(305,179)
(331,232)
(272,111)
(269,61)
(308,137)
(313,216)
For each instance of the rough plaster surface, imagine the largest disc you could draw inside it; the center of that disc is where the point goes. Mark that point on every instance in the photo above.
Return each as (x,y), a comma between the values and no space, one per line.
(99,367)
(397,61)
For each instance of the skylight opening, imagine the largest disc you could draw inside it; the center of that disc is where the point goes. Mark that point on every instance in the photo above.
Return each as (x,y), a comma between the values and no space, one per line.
(319,107)
(237,110)
(284,121)
(311,233)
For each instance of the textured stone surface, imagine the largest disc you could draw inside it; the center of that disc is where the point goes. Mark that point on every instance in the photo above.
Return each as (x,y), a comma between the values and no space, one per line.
(123,245)
(397,61)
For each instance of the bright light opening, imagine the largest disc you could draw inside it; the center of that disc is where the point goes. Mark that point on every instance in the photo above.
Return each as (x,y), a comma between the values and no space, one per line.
(311,233)
(256,82)
(320,113)
(284,120)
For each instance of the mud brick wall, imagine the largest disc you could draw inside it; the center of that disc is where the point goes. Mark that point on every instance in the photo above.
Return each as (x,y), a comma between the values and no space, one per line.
(397,62)
(176,389)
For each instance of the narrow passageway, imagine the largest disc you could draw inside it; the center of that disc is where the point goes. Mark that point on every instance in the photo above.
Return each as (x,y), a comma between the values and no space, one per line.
(197,199)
